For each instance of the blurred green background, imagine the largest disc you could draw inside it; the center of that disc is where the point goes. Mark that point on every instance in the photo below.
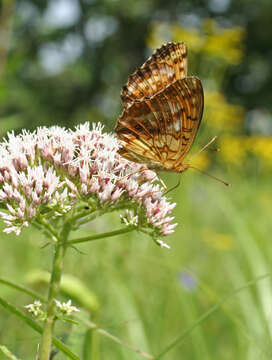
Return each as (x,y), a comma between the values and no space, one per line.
(64,62)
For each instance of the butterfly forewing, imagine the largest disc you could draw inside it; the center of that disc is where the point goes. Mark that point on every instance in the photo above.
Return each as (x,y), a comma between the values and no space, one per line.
(166,65)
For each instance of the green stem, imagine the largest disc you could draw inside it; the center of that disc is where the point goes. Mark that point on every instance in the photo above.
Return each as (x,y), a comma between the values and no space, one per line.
(54,288)
(93,214)
(100,236)
(83,213)
(49,228)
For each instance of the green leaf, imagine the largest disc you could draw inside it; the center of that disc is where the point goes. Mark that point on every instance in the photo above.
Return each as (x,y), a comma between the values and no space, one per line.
(208,313)
(71,286)
(8,354)
(22,289)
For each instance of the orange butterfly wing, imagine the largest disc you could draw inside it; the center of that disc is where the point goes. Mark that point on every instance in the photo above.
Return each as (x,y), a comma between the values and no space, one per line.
(165,65)
(160,131)
(162,110)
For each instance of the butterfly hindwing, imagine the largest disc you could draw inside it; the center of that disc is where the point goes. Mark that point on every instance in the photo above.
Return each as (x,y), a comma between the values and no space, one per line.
(160,131)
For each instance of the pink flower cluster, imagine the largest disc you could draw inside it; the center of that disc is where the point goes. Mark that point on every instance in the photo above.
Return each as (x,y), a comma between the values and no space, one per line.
(52,170)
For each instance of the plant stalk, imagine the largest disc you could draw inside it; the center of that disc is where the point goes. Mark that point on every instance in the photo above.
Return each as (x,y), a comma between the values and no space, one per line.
(54,288)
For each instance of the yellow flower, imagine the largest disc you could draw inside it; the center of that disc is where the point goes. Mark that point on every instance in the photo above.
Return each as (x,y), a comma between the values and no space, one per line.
(161,32)
(261,147)
(211,40)
(201,161)
(191,37)
(219,241)
(235,149)
(232,149)
(220,114)
(223,43)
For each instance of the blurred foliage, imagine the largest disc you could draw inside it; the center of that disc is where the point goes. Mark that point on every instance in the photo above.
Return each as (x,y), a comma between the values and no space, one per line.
(149,296)
(64,62)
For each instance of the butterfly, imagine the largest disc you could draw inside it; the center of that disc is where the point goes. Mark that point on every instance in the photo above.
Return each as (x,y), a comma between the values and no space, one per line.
(163,109)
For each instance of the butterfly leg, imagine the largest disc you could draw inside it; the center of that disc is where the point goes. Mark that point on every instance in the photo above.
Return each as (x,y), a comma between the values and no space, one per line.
(129,175)
(172,188)
(162,182)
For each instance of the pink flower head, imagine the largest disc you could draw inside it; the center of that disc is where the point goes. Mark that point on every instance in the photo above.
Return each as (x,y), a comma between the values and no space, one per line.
(53,170)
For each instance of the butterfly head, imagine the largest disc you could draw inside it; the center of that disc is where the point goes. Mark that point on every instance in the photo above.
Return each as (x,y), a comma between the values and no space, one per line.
(184,167)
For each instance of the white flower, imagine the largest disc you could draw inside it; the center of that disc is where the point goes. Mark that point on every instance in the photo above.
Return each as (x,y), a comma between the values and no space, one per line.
(35,308)
(162,244)
(66,308)
(129,218)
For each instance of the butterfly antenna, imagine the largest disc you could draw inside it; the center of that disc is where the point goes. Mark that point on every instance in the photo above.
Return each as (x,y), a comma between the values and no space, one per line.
(211,176)
(205,147)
